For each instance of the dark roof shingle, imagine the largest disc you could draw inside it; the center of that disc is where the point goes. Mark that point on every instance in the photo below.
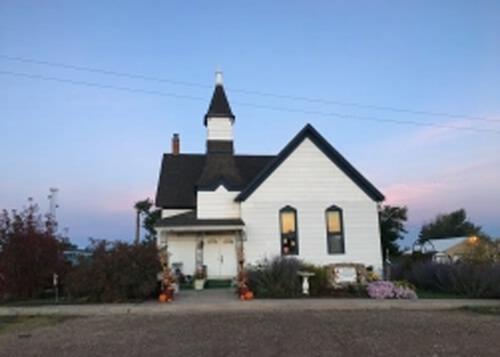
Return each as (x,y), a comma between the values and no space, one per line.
(219,105)
(182,174)
(176,185)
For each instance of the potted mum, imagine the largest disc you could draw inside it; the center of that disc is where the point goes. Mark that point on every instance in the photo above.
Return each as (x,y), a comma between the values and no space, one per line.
(199,279)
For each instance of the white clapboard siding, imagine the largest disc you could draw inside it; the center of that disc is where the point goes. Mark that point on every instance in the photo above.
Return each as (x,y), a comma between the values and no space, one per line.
(172,212)
(308,181)
(182,249)
(219,129)
(218,204)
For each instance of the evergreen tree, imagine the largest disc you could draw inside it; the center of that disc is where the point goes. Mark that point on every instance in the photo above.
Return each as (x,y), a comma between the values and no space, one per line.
(454,224)
(392,228)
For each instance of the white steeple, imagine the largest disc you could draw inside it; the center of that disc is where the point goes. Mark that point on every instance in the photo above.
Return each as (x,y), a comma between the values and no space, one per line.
(219,120)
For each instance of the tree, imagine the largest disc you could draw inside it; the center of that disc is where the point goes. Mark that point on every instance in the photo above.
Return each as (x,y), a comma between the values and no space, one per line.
(149,224)
(30,252)
(454,224)
(141,207)
(392,221)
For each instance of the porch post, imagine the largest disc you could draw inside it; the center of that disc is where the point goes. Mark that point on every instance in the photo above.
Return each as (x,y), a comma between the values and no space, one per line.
(199,251)
(240,249)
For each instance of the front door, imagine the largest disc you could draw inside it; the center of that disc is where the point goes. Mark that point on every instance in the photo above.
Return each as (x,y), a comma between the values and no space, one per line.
(219,256)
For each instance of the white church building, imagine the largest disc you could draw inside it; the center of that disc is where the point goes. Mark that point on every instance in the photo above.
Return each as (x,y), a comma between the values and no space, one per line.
(221,210)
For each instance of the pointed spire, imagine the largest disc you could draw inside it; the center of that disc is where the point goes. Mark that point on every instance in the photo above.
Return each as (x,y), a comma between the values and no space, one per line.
(219,105)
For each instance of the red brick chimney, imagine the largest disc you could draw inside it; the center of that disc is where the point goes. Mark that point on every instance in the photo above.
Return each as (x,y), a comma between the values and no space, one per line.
(176,144)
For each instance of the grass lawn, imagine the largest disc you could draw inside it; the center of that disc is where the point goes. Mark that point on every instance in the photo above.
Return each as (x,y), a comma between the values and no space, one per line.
(485,310)
(23,324)
(38,302)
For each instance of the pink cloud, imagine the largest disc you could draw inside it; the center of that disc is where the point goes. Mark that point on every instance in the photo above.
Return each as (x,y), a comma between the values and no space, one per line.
(474,169)
(406,193)
(435,134)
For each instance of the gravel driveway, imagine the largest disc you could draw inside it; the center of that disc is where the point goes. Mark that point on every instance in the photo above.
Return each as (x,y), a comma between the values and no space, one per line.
(265,333)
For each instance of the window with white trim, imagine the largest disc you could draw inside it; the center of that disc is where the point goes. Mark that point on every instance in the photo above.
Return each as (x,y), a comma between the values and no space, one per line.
(334,230)
(288,230)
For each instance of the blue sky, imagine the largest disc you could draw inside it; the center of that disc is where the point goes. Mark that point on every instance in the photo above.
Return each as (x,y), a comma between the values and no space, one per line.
(91,92)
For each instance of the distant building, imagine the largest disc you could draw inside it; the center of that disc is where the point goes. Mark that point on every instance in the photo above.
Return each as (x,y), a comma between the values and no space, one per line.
(448,250)
(221,210)
(75,256)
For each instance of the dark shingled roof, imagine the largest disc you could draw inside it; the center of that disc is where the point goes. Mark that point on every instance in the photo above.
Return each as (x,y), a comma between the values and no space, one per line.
(189,219)
(220,167)
(182,174)
(178,175)
(219,105)
(309,132)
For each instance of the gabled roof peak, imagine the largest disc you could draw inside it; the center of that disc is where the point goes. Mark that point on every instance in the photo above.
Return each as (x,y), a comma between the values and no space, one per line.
(312,134)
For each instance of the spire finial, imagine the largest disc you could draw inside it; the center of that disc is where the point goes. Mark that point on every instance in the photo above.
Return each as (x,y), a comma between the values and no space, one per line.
(218,77)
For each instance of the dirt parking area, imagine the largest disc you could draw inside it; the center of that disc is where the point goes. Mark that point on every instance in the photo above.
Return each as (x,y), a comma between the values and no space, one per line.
(264,333)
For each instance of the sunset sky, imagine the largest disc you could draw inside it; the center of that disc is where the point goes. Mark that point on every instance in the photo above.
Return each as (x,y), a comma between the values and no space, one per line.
(92,91)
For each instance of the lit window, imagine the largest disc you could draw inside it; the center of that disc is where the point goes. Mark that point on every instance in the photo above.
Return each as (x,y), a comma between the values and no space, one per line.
(334,230)
(288,230)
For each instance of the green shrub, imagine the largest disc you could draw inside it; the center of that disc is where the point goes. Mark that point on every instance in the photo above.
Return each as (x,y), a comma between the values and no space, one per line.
(404,284)
(117,272)
(276,278)
(357,290)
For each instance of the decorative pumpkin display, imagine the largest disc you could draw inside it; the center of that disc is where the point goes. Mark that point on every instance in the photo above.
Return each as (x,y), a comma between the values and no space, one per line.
(243,291)
(168,282)
(246,294)
(170,293)
(167,295)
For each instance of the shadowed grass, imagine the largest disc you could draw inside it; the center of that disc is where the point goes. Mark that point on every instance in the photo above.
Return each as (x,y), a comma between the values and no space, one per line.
(25,323)
(485,310)
(426,294)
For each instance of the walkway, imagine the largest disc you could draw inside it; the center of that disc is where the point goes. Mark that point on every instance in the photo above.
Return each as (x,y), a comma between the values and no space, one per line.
(213,300)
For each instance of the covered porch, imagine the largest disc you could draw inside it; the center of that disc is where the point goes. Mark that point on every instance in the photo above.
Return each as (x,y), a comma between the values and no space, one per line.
(213,246)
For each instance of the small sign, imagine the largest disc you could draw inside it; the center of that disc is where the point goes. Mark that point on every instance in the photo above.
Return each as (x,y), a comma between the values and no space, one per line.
(345,274)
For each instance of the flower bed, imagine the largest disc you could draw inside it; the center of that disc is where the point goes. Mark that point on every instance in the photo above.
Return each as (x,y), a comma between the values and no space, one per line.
(389,290)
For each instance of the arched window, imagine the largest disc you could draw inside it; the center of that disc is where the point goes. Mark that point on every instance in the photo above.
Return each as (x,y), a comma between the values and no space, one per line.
(288,230)
(334,230)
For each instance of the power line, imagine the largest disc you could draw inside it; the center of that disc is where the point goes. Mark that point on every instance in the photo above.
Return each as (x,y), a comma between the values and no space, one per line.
(105,71)
(253,92)
(99,85)
(252,105)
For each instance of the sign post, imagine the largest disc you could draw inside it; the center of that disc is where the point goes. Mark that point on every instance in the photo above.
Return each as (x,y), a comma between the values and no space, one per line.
(55,281)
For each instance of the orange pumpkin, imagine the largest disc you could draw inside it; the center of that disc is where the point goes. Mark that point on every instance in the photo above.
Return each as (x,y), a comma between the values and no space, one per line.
(248,295)
(162,298)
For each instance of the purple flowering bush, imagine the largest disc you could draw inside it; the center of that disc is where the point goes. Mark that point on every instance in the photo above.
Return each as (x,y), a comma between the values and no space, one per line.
(462,278)
(389,290)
